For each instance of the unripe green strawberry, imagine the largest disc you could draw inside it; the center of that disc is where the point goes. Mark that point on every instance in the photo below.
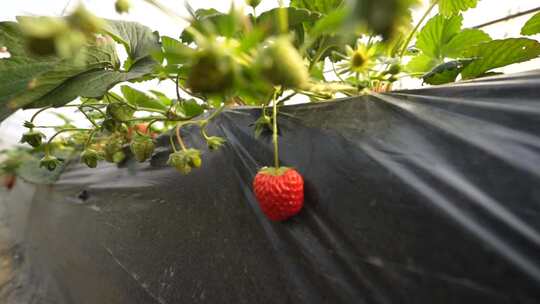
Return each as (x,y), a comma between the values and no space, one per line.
(112,146)
(83,20)
(49,162)
(110,124)
(69,44)
(122,6)
(279,191)
(120,111)
(194,157)
(118,157)
(90,157)
(212,71)
(184,160)
(41,33)
(215,142)
(281,63)
(142,147)
(394,69)
(33,138)
(253,3)
(180,162)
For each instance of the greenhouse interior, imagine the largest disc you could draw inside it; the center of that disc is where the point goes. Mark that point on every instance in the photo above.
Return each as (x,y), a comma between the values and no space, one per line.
(270,151)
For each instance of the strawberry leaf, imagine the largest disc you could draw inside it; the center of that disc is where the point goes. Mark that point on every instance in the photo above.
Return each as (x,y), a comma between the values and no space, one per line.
(321,6)
(140,99)
(175,52)
(421,63)
(454,7)
(437,33)
(499,53)
(464,40)
(30,81)
(532,26)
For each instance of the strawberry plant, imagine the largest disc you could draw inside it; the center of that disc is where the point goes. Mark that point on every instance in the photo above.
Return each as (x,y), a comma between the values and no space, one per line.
(319,49)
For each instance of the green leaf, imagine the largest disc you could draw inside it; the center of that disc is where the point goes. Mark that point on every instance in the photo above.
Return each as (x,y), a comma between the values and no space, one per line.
(463,41)
(213,22)
(329,23)
(454,7)
(92,83)
(30,81)
(162,97)
(189,108)
(438,32)
(321,6)
(140,99)
(138,40)
(175,51)
(500,53)
(532,26)
(446,72)
(269,20)
(25,78)
(442,38)
(421,64)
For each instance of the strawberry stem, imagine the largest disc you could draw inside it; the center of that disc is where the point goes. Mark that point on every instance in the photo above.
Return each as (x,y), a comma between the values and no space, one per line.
(179,137)
(275,133)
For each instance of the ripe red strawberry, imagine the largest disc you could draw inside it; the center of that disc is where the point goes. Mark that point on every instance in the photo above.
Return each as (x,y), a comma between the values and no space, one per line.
(280,192)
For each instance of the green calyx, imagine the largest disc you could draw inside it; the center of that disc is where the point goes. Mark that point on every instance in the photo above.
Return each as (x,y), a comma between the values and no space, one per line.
(120,111)
(142,147)
(33,138)
(274,171)
(90,158)
(185,160)
(49,162)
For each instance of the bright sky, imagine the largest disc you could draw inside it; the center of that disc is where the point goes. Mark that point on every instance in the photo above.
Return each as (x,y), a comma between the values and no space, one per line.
(11,128)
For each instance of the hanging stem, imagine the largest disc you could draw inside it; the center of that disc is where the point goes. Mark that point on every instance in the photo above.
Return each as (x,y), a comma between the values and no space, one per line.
(88,117)
(39,111)
(179,138)
(415,29)
(90,136)
(275,133)
(216,113)
(67,130)
(172,143)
